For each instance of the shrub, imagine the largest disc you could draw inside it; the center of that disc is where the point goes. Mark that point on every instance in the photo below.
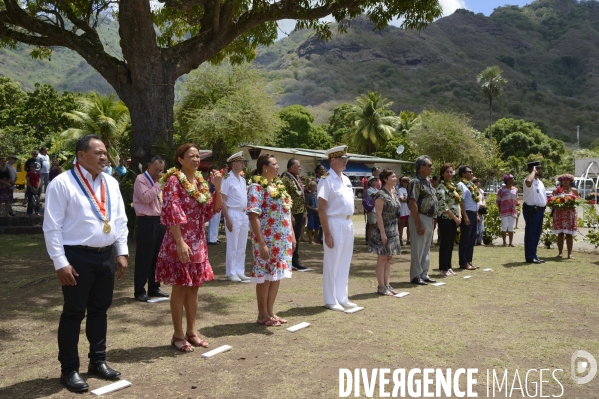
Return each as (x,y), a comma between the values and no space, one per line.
(547,236)
(492,221)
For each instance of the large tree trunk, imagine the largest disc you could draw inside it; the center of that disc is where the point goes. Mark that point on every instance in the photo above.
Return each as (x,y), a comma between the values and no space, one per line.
(149,90)
(151,122)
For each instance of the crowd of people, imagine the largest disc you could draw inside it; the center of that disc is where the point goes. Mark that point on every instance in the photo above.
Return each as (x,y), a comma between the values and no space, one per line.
(85,228)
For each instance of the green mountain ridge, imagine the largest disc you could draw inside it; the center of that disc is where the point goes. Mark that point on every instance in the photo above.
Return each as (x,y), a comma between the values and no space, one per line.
(548,51)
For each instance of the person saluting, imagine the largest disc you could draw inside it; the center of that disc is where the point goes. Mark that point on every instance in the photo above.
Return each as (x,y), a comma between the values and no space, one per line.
(85,228)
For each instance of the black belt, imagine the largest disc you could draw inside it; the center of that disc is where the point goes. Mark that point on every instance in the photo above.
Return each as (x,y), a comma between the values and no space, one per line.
(532,208)
(91,249)
(430,215)
(150,217)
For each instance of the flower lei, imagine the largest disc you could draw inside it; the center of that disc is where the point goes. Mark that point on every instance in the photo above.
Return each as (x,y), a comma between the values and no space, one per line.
(276,189)
(473,189)
(201,193)
(454,190)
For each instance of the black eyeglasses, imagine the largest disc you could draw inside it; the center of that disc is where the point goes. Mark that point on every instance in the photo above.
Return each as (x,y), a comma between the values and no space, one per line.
(430,165)
(468,171)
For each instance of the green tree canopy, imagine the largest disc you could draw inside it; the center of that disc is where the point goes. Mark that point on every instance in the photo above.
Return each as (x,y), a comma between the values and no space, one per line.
(225,106)
(339,125)
(448,137)
(298,130)
(491,84)
(160,41)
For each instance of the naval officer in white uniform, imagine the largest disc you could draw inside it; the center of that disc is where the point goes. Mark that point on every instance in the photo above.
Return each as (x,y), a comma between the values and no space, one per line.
(336,208)
(234,192)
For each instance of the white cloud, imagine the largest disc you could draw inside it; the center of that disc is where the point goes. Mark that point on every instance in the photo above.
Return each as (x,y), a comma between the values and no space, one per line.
(449,6)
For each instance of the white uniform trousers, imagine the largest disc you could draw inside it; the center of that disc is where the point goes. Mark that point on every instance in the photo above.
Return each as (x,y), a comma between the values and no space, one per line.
(213,228)
(236,242)
(335,268)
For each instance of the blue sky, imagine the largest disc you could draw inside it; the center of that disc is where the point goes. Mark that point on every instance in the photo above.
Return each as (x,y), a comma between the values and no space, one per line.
(449,6)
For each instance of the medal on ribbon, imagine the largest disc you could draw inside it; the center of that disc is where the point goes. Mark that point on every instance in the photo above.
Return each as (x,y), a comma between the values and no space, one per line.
(101,208)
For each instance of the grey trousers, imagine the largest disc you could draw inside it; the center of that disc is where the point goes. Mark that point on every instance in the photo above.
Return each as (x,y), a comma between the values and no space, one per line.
(421,247)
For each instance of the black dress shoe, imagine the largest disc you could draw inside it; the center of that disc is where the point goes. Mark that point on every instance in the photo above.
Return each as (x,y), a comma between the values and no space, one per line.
(419,281)
(101,369)
(159,294)
(429,280)
(534,261)
(73,381)
(213,243)
(298,266)
(142,298)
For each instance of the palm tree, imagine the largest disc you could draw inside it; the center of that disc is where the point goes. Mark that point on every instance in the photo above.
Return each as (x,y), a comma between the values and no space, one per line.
(374,123)
(100,115)
(492,85)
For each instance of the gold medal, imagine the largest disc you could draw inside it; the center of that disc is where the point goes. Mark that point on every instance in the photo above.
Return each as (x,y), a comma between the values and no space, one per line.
(106,228)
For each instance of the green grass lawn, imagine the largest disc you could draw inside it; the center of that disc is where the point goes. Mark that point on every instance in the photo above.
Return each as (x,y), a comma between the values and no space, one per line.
(517,317)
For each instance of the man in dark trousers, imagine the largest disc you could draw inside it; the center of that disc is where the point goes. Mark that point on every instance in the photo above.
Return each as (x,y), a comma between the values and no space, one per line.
(533,210)
(85,228)
(147,203)
(293,184)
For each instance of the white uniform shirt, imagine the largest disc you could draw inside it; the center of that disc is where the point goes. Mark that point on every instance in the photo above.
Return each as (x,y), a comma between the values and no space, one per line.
(235,188)
(45,162)
(535,194)
(13,172)
(70,220)
(339,195)
(404,209)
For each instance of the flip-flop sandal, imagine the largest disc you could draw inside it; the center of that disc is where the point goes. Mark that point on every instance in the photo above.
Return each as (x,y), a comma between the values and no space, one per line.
(269,322)
(392,290)
(186,347)
(280,320)
(200,344)
(383,291)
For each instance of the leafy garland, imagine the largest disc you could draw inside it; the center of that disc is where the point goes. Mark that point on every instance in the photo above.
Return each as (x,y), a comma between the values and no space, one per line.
(201,193)
(473,189)
(454,190)
(276,189)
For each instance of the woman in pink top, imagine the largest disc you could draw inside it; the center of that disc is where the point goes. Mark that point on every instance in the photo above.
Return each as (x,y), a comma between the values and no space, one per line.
(507,200)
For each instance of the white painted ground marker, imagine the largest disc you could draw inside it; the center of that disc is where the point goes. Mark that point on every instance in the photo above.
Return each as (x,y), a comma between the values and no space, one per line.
(157,300)
(216,351)
(298,327)
(401,294)
(438,284)
(354,310)
(487,270)
(467,276)
(111,387)
(304,270)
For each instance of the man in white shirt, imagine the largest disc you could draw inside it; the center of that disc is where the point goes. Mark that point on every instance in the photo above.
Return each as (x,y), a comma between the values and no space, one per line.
(234,206)
(469,214)
(533,210)
(11,160)
(108,168)
(85,228)
(336,208)
(44,160)
(150,233)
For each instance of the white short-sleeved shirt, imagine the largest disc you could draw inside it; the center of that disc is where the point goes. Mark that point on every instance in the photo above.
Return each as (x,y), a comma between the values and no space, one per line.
(404,209)
(535,194)
(45,162)
(235,188)
(338,193)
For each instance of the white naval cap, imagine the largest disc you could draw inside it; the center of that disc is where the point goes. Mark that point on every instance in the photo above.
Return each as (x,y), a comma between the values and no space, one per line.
(238,156)
(337,152)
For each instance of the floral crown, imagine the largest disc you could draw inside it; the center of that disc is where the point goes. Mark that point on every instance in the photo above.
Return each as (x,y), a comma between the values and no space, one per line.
(506,178)
(565,176)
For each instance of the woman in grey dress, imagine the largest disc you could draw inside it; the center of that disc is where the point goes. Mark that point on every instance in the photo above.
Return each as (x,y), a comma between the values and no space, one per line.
(385,237)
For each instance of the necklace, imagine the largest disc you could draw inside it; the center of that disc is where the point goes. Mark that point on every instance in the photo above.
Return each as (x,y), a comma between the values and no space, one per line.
(473,189)
(276,189)
(454,191)
(201,193)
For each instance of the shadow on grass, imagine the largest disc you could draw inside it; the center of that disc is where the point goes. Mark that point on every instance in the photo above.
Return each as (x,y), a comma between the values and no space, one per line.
(516,264)
(369,295)
(37,388)
(302,311)
(140,354)
(235,329)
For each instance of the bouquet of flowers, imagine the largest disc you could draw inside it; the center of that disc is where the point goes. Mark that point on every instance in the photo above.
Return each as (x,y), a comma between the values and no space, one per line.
(564,201)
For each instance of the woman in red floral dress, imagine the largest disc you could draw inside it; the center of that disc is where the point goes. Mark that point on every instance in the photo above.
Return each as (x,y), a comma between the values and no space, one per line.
(269,211)
(565,220)
(183,257)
